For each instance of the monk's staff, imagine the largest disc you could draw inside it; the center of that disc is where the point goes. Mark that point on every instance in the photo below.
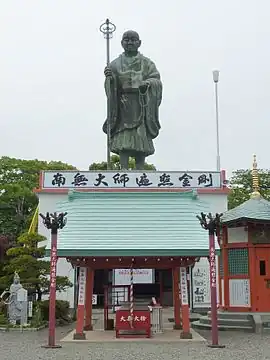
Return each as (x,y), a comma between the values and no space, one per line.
(108,29)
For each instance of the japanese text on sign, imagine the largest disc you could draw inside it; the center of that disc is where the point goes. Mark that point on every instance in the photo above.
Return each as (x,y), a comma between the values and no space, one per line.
(140,276)
(239,292)
(212,257)
(136,318)
(201,285)
(108,179)
(94,299)
(183,285)
(82,281)
(53,266)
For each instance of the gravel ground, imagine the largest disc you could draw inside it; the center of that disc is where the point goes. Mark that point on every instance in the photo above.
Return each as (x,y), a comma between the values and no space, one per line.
(27,346)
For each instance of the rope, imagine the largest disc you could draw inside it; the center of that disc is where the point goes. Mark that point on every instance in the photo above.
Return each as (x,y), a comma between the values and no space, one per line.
(143,97)
(131,310)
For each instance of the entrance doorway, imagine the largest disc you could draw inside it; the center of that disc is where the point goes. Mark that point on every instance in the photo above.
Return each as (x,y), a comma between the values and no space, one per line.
(147,291)
(263,279)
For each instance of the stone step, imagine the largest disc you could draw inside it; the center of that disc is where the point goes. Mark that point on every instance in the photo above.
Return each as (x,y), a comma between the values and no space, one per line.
(227,322)
(231,315)
(200,326)
(192,317)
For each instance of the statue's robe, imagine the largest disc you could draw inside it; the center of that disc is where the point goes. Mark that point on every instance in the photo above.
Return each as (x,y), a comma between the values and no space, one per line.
(133,116)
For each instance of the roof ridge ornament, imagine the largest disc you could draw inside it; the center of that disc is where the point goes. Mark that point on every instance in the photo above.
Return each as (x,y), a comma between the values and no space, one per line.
(194,194)
(255,180)
(71,194)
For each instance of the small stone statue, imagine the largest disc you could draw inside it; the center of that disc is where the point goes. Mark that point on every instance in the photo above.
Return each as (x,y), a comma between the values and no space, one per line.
(134,91)
(14,306)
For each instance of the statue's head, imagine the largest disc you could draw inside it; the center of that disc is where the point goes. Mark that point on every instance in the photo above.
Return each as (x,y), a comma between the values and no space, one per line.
(131,41)
(16,278)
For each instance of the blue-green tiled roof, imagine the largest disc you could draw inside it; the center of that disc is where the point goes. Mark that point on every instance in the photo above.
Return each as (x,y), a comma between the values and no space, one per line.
(252,209)
(132,224)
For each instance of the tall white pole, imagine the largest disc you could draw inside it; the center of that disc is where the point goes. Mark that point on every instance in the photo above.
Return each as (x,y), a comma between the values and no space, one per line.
(216,79)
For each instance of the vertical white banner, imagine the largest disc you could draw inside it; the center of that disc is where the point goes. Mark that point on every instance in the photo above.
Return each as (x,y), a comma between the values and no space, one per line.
(183,283)
(82,283)
(30,309)
(201,284)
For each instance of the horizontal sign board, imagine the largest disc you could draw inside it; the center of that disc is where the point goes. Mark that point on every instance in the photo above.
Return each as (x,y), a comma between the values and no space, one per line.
(130,179)
(140,276)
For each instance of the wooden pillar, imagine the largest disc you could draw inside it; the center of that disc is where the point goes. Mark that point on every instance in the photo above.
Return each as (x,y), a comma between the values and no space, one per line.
(219,274)
(88,299)
(185,334)
(219,280)
(252,271)
(176,298)
(160,288)
(225,260)
(79,334)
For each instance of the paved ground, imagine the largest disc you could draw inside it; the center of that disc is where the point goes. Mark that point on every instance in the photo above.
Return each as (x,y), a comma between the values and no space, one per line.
(27,346)
(167,336)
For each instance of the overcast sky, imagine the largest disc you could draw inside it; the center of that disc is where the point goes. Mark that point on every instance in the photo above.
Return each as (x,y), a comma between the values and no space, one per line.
(52,57)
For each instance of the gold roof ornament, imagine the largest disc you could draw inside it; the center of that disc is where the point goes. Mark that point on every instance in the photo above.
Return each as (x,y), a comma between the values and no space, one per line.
(255,180)
(255,209)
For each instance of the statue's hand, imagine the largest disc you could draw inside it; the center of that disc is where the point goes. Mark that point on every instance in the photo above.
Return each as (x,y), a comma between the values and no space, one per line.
(144,86)
(108,71)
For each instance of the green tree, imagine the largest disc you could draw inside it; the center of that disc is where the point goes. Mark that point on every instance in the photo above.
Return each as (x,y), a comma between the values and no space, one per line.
(4,245)
(18,202)
(18,178)
(27,258)
(26,172)
(115,164)
(241,186)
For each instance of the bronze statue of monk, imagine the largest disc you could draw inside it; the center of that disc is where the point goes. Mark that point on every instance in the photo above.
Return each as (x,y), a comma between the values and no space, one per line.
(134,91)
